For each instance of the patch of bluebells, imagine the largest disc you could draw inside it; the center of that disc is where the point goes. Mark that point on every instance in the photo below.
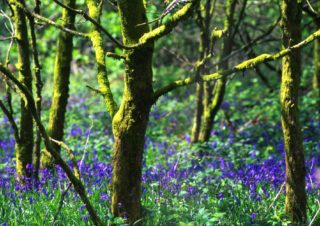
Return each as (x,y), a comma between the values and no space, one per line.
(173,176)
(176,169)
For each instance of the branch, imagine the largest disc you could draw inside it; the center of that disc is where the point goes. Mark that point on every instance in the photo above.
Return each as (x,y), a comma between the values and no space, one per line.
(115,56)
(11,120)
(73,179)
(164,29)
(71,155)
(94,22)
(248,64)
(250,44)
(39,85)
(63,195)
(50,22)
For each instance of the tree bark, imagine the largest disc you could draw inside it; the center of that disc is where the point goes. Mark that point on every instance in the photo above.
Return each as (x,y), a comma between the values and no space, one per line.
(316,73)
(214,100)
(24,148)
(295,204)
(130,122)
(94,7)
(60,84)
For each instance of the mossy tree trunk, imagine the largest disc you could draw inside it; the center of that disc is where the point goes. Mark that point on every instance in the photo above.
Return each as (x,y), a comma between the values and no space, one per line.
(295,204)
(94,7)
(203,22)
(24,148)
(214,100)
(130,122)
(61,83)
(316,73)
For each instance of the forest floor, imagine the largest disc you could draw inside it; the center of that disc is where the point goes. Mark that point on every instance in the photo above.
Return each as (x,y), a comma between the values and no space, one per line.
(237,178)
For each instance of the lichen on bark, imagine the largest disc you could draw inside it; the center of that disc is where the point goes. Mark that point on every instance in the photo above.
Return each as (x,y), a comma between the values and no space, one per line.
(60,83)
(24,148)
(130,121)
(295,203)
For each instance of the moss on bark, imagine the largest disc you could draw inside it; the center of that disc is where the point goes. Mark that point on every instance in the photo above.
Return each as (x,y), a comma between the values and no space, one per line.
(130,122)
(24,148)
(291,70)
(214,100)
(316,73)
(98,46)
(61,83)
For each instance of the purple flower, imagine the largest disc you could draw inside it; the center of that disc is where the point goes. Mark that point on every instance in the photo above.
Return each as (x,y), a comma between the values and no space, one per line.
(253,217)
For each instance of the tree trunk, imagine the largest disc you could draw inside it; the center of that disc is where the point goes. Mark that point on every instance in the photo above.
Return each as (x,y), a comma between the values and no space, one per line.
(197,121)
(24,148)
(61,83)
(214,101)
(205,46)
(291,70)
(316,73)
(211,110)
(130,122)
(94,7)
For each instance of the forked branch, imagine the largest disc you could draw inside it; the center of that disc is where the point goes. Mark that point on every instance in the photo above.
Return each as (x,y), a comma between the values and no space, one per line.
(247,64)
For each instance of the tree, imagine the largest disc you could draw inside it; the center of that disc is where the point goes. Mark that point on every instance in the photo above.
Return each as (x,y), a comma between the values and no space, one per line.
(130,120)
(24,146)
(316,73)
(205,44)
(214,93)
(61,82)
(291,71)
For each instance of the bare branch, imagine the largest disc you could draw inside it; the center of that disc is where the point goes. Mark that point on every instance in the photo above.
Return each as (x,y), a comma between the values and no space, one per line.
(11,120)
(94,22)
(115,56)
(50,22)
(63,195)
(248,64)
(71,156)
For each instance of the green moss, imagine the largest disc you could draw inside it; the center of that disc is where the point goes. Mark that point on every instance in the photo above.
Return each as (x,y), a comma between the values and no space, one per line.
(130,122)
(291,70)
(97,42)
(60,83)
(166,28)
(24,148)
(253,62)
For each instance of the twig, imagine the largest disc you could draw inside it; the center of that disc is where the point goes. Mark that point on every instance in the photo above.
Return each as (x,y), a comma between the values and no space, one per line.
(316,214)
(63,195)
(94,89)
(277,195)
(93,21)
(49,21)
(311,8)
(12,37)
(115,56)
(71,155)
(11,120)
(85,147)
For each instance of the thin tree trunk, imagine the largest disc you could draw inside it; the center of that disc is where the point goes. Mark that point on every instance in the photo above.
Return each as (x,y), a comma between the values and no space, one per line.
(24,148)
(291,70)
(214,101)
(205,46)
(61,83)
(130,122)
(316,73)
(94,7)
(197,121)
